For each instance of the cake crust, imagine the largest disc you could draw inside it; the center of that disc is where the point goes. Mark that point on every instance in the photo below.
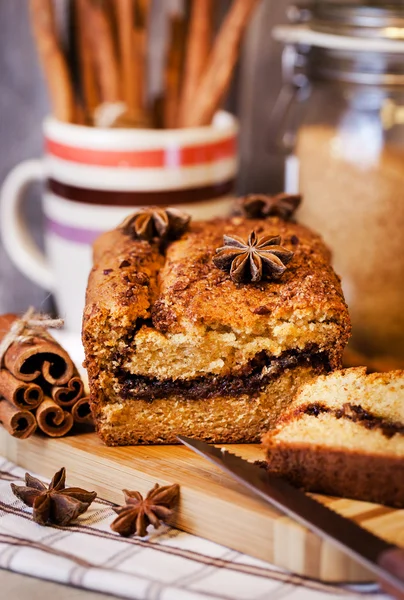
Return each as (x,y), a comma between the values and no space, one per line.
(340,472)
(191,290)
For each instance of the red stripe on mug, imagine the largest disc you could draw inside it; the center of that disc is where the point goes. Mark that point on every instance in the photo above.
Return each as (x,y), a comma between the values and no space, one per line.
(176,156)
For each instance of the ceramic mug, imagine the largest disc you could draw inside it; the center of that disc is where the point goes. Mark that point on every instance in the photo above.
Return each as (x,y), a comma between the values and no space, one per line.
(94,178)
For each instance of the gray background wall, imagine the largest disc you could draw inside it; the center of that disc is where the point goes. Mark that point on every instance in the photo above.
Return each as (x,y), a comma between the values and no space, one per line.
(23,103)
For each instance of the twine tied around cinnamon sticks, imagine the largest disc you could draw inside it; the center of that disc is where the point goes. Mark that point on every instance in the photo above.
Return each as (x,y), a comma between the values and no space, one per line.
(25,329)
(39,384)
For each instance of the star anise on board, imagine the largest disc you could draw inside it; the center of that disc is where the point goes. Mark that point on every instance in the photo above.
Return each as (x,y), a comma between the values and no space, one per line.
(156,222)
(260,206)
(56,504)
(256,259)
(139,512)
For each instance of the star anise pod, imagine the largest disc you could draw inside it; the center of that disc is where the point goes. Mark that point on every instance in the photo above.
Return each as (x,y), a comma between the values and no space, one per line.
(156,222)
(139,512)
(260,206)
(256,259)
(56,504)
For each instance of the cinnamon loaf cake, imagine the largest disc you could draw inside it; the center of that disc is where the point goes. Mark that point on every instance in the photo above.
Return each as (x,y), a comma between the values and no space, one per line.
(344,435)
(180,339)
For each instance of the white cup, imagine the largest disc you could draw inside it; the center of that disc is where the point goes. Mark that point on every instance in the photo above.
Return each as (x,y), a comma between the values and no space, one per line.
(94,178)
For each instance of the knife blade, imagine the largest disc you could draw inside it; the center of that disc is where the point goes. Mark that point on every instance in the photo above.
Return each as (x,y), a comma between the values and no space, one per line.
(385,560)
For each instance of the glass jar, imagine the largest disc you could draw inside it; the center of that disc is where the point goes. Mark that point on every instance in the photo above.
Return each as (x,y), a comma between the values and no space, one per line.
(340,119)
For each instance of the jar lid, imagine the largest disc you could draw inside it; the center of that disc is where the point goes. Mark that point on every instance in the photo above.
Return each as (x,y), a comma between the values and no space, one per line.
(373,26)
(383,20)
(305,36)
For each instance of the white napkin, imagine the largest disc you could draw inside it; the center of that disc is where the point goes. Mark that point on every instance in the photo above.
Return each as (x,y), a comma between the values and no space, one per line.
(168,565)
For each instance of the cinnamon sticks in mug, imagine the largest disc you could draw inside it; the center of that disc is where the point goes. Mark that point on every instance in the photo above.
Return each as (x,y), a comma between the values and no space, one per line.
(112,41)
(39,384)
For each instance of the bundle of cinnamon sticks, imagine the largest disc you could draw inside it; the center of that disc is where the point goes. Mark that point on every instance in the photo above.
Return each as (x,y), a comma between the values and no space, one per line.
(39,384)
(112,38)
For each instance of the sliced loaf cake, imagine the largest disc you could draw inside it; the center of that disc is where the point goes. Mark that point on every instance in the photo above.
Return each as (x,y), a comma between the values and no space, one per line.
(344,435)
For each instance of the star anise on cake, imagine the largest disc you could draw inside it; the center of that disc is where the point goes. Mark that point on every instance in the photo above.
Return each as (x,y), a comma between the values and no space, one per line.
(256,259)
(260,206)
(138,512)
(155,222)
(56,504)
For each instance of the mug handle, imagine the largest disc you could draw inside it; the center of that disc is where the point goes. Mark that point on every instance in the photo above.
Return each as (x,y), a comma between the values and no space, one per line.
(17,239)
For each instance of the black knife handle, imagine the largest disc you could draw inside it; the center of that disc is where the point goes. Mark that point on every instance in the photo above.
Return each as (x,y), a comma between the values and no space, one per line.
(393,562)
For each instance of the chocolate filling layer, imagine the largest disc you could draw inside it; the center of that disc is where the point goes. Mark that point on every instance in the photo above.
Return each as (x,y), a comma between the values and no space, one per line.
(255,376)
(357,414)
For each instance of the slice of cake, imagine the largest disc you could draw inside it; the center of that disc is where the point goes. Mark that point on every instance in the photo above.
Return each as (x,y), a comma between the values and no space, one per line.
(209,332)
(344,435)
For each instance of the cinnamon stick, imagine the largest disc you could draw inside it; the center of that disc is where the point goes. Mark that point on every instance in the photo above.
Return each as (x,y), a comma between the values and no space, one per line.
(40,356)
(173,70)
(91,97)
(140,34)
(139,70)
(66,396)
(81,411)
(157,112)
(52,419)
(52,59)
(19,423)
(125,16)
(81,117)
(217,76)
(101,41)
(25,396)
(143,11)
(197,50)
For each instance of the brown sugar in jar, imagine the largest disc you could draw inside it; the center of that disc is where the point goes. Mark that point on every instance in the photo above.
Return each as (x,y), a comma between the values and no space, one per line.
(354,195)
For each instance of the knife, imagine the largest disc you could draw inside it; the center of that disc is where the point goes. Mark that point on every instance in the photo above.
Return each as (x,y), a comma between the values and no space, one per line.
(385,560)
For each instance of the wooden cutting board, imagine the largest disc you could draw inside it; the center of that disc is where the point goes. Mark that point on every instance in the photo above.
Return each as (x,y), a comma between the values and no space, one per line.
(212,504)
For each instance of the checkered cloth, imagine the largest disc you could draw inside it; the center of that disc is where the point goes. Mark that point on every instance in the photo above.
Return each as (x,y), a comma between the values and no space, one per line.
(168,565)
